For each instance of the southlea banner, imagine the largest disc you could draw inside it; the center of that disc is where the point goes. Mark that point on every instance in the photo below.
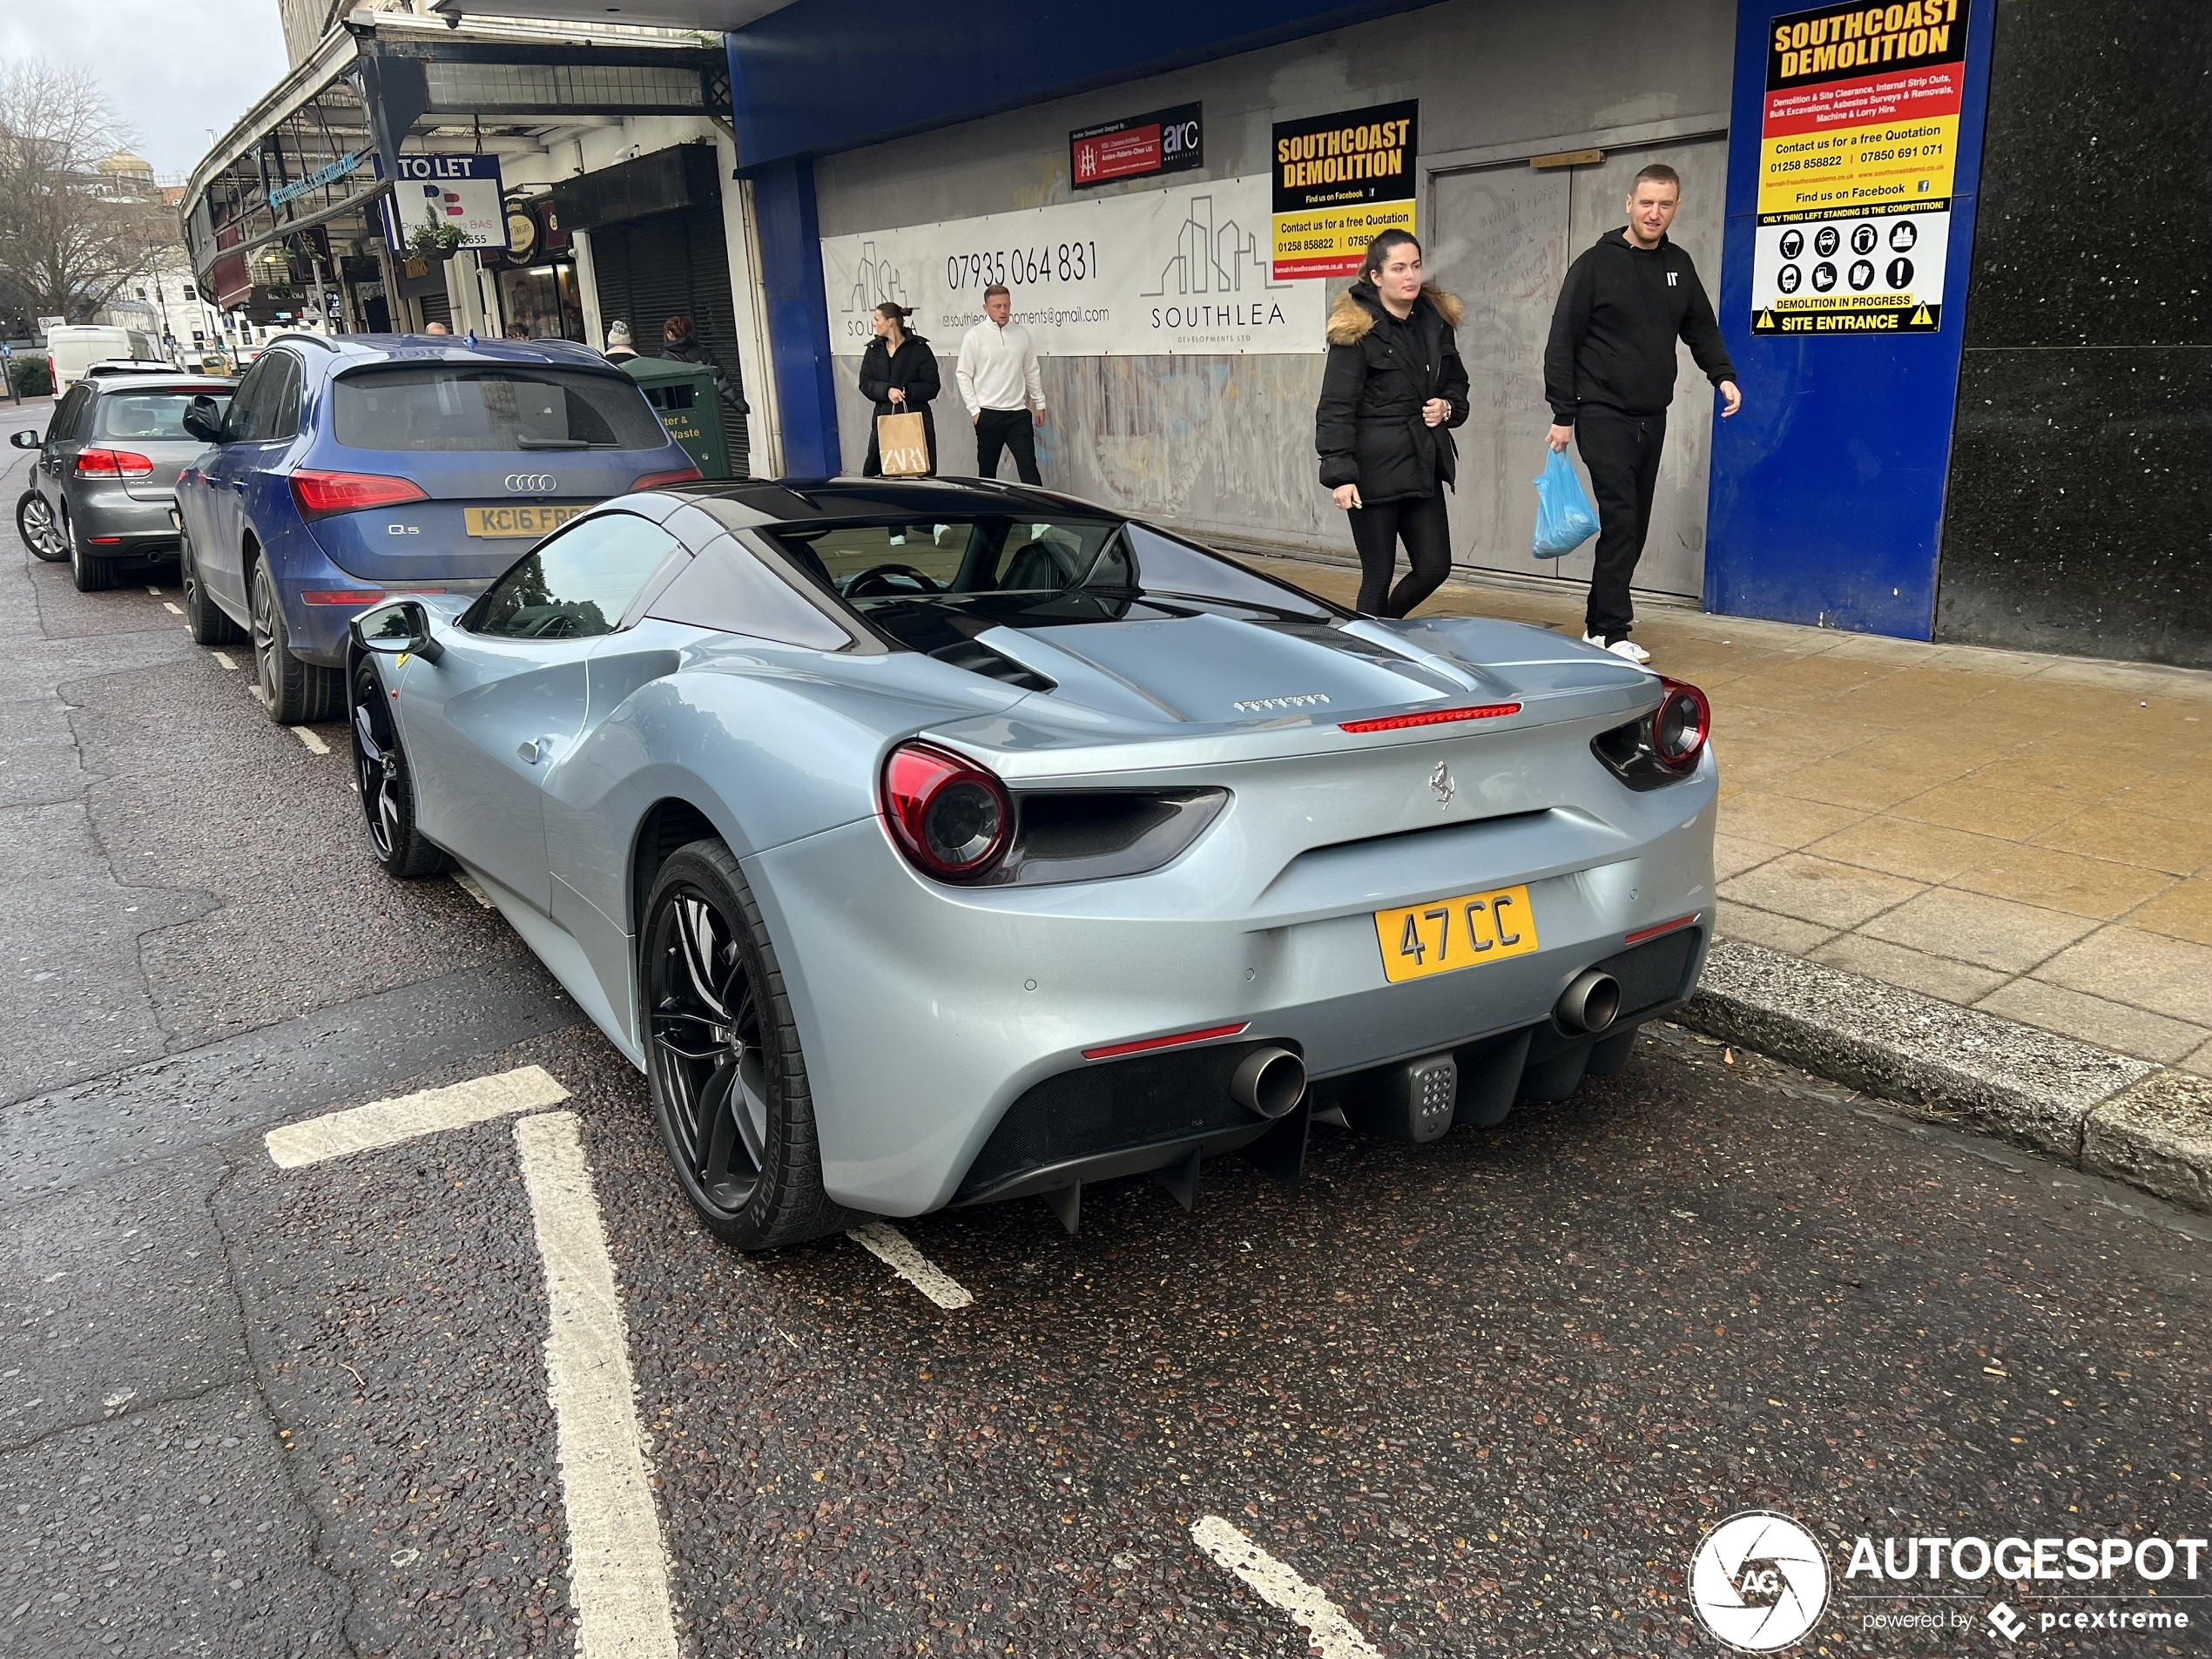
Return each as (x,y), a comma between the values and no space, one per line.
(1173,272)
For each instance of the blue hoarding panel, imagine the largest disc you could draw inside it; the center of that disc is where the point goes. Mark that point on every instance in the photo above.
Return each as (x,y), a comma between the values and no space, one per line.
(791,279)
(1827,488)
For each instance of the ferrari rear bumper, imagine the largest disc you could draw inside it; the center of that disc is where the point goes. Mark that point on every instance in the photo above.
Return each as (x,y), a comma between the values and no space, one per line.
(945,1030)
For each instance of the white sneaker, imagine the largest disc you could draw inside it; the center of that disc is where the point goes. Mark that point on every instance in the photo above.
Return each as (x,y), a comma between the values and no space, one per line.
(1622,648)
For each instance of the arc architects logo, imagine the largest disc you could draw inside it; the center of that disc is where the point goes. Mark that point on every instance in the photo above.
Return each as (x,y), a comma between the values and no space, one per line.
(1759,1581)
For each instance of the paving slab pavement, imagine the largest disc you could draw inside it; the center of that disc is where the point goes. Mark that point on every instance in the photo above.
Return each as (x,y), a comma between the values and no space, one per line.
(2026,837)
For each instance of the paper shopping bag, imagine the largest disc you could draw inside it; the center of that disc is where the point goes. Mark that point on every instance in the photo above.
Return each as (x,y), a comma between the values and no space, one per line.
(902,445)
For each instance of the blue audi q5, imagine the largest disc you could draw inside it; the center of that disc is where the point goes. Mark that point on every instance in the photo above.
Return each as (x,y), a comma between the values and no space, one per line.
(349,470)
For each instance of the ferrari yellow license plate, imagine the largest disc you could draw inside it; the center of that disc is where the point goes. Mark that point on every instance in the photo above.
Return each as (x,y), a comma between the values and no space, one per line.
(1447,934)
(532,519)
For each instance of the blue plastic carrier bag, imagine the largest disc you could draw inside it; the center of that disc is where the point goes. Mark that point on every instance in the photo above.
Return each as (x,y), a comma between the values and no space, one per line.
(1565,518)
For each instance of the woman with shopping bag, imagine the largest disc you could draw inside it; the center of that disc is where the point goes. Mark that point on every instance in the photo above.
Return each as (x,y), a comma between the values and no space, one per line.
(1391,390)
(899,376)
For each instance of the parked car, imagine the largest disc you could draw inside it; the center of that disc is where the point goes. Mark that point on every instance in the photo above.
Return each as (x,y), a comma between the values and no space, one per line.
(933,843)
(105,479)
(76,346)
(351,468)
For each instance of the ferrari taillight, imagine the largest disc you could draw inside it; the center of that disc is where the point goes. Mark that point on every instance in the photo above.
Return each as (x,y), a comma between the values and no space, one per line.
(950,817)
(322,494)
(113,463)
(1680,725)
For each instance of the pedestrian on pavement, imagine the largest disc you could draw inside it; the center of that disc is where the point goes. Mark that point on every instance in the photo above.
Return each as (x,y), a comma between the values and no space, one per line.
(680,343)
(1003,387)
(1609,376)
(899,376)
(619,348)
(436,328)
(1391,390)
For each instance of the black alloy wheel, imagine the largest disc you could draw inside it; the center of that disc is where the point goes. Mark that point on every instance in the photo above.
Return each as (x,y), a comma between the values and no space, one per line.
(295,693)
(210,624)
(729,1084)
(35,523)
(90,573)
(387,788)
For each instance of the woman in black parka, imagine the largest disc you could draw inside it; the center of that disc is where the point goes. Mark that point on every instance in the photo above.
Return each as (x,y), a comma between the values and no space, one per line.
(1393,388)
(899,376)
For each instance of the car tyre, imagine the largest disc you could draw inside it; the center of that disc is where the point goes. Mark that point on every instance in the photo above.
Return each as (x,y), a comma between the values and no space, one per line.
(209,623)
(90,573)
(35,523)
(386,785)
(729,1083)
(295,693)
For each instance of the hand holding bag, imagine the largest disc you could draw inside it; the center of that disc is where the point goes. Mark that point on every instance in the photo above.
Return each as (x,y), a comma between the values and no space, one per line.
(1565,518)
(902,445)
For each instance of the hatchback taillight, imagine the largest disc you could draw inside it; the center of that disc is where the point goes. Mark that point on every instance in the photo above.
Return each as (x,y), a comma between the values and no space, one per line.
(322,494)
(662,480)
(950,817)
(113,463)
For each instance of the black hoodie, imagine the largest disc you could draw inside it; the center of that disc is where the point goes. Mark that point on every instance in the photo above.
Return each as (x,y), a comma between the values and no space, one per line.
(1614,329)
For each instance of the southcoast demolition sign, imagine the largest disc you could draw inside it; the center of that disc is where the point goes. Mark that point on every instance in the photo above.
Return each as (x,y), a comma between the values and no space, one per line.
(1857,146)
(1341,180)
(1760,1583)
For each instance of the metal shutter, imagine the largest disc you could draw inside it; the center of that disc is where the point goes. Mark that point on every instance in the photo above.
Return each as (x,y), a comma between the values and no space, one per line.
(648,270)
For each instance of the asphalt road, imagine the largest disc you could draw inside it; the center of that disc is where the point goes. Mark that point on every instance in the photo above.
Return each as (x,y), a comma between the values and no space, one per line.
(1484,1396)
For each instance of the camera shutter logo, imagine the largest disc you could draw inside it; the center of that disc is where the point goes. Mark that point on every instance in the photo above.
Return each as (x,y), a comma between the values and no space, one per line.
(1759,1582)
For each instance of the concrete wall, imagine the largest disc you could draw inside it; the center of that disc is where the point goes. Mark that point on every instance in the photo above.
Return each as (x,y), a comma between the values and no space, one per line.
(1224,445)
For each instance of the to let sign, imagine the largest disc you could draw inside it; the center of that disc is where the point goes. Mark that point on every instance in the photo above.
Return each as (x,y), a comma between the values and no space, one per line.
(1136,148)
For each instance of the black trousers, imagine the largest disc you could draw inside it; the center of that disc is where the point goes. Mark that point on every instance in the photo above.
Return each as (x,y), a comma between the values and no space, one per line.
(1621,452)
(1420,522)
(1014,429)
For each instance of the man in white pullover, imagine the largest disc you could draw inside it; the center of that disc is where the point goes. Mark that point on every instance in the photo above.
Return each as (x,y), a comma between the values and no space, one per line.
(1000,383)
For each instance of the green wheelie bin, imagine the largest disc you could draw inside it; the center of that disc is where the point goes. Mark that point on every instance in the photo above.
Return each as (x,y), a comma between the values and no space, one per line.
(683,396)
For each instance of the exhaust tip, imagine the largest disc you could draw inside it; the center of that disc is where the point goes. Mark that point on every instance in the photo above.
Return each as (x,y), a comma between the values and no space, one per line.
(1268,1082)
(1590,1003)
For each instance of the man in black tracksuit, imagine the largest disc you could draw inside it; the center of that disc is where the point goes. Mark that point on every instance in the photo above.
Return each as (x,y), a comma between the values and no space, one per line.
(1610,375)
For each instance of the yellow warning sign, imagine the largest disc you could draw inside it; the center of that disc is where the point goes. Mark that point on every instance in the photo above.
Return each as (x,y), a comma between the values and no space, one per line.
(1921,320)
(1763,323)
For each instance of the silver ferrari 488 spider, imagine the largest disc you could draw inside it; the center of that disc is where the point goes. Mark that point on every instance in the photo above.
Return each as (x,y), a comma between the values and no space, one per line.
(933,843)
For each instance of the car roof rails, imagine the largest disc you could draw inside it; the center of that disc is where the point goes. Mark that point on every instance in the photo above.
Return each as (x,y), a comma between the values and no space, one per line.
(323,341)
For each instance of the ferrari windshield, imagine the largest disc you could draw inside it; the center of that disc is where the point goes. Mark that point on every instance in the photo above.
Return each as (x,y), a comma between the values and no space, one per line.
(924,581)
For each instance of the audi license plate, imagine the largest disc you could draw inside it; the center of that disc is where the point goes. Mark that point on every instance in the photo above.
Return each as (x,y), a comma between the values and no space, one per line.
(535,518)
(1447,934)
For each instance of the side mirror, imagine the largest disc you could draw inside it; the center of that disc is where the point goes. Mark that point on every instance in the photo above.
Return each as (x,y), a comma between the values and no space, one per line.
(400,628)
(203,420)
(27,439)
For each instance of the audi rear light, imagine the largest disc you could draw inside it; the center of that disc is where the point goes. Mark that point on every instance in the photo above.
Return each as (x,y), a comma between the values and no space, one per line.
(322,494)
(662,480)
(1680,725)
(950,817)
(113,463)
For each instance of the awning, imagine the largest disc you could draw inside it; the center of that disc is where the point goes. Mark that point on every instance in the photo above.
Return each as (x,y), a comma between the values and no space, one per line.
(306,154)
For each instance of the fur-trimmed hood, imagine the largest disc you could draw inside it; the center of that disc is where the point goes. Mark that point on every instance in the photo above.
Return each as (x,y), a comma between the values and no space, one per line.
(1360,308)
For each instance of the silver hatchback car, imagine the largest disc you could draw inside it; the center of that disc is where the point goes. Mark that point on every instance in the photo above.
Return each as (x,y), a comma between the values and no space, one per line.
(105,479)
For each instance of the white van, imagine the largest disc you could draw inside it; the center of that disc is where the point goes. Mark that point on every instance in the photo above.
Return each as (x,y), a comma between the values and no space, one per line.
(75,347)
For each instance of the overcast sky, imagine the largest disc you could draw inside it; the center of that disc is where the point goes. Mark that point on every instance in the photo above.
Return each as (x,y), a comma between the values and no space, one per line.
(171,69)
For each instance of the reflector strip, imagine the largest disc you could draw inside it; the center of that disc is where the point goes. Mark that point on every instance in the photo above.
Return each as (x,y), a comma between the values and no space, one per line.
(1113,1050)
(1642,933)
(341,597)
(1431,717)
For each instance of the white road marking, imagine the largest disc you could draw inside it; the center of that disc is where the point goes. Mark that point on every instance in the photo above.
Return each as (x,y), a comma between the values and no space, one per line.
(386,1123)
(897,1252)
(466,883)
(315,744)
(223,657)
(154,590)
(170,606)
(619,1578)
(1333,1635)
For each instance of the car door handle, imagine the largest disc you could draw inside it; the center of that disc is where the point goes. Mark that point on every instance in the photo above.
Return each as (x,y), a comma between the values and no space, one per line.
(238,484)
